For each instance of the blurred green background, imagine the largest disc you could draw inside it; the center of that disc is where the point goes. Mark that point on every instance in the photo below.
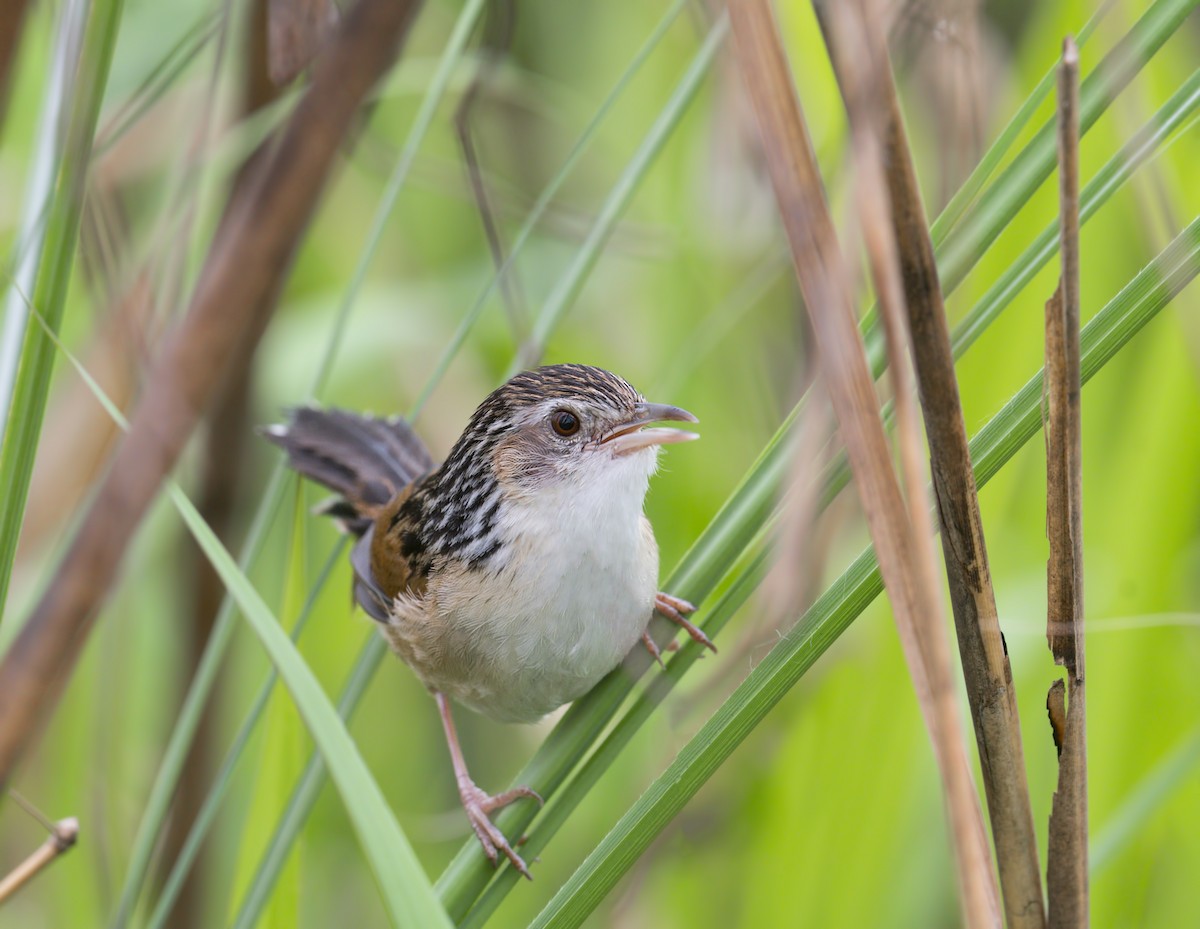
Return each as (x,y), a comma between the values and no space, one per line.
(830,814)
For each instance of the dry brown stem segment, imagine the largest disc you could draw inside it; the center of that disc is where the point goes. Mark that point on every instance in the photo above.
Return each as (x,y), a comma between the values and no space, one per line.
(827,293)
(297,30)
(60,840)
(1066,857)
(986,669)
(12,19)
(248,259)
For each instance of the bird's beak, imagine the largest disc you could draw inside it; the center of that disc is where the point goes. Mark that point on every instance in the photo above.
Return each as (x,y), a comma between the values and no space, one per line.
(629,436)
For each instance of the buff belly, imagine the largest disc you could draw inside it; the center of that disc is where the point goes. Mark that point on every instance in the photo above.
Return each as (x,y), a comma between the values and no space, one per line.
(517,639)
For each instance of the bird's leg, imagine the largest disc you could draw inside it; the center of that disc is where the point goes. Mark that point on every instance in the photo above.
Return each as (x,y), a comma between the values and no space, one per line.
(479,805)
(675,610)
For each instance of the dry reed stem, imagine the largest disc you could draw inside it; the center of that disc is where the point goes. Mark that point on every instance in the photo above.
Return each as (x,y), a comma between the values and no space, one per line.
(788,585)
(297,31)
(62,837)
(825,285)
(12,21)
(984,658)
(1066,858)
(248,260)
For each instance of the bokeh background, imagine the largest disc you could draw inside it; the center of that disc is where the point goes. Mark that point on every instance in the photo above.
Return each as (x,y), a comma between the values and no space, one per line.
(830,814)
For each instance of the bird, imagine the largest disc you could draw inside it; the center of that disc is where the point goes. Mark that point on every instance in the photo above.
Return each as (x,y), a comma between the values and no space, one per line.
(519,572)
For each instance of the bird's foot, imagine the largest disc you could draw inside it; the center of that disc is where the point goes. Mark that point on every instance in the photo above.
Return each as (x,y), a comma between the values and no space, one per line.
(655,651)
(676,610)
(479,806)
(652,648)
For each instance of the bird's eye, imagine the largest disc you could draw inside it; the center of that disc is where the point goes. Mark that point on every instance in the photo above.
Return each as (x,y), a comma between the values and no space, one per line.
(564,422)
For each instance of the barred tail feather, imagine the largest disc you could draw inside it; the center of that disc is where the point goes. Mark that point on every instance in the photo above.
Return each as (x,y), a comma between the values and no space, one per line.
(364,459)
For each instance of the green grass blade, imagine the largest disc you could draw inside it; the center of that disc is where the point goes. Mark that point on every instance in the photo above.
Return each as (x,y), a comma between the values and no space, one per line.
(407,894)
(282,748)
(304,795)
(572,280)
(223,779)
(545,198)
(1182,105)
(416,134)
(833,612)
(965,196)
(158,802)
(159,80)
(88,34)
(1014,186)
(406,891)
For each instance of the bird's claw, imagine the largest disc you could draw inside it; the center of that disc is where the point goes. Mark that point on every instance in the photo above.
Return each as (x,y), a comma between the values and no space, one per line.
(653,649)
(479,806)
(675,610)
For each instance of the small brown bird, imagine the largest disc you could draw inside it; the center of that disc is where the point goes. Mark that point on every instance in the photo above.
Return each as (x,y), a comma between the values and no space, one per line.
(522,570)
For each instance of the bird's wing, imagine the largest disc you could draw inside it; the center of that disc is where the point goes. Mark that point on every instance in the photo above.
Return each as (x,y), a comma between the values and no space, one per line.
(395,558)
(370,595)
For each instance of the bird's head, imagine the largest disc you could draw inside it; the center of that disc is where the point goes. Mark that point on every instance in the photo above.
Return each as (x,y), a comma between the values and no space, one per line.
(568,424)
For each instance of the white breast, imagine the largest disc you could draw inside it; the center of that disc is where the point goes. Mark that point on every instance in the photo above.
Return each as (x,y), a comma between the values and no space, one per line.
(563,606)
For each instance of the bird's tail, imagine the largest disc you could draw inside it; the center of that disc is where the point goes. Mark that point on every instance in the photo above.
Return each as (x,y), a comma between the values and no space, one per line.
(363,459)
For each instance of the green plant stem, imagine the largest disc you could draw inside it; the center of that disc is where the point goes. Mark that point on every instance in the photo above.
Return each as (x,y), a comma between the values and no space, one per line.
(1182,105)
(572,280)
(88,32)
(406,893)
(158,802)
(994,210)
(305,793)
(224,777)
(965,196)
(416,134)
(545,198)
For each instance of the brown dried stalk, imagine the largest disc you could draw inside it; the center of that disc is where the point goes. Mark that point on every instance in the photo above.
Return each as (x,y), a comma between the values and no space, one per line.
(249,258)
(825,285)
(12,19)
(63,835)
(298,29)
(984,658)
(1066,857)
